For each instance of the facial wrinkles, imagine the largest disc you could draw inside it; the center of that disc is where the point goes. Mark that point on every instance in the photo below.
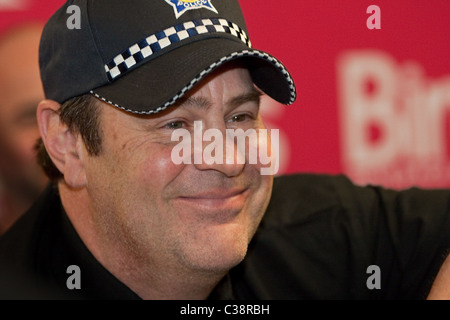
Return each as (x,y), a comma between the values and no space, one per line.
(212,99)
(187,180)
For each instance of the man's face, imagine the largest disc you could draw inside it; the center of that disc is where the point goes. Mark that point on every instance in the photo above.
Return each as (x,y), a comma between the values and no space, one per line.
(194,216)
(20,92)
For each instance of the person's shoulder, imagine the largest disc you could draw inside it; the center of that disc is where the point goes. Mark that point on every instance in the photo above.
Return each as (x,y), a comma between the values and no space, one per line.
(26,234)
(298,196)
(310,189)
(304,182)
(24,248)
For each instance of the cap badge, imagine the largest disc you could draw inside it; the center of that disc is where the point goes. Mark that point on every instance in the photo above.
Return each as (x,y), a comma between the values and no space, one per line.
(181,6)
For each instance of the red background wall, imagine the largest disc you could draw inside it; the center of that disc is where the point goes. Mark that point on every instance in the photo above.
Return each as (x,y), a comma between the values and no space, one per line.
(312,37)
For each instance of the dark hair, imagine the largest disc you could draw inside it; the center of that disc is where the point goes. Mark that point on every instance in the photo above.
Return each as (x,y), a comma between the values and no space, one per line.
(81,115)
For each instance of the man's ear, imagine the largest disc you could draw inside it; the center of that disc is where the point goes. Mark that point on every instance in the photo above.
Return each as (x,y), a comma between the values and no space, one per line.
(64,147)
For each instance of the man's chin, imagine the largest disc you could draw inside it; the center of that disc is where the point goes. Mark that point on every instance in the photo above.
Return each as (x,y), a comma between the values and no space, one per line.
(220,253)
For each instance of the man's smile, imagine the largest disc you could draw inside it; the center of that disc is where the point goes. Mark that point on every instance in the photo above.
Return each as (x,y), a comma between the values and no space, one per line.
(223,203)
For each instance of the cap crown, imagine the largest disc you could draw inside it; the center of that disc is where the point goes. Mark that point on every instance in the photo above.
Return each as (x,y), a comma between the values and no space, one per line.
(72,61)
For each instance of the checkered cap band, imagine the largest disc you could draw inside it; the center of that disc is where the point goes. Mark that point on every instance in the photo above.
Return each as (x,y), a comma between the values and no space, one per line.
(201,75)
(144,49)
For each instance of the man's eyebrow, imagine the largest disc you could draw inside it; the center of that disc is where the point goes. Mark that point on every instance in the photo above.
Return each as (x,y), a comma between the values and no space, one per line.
(251,96)
(198,102)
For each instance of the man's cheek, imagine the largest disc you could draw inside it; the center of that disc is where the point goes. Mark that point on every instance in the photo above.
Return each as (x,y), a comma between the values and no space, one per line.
(160,162)
(263,152)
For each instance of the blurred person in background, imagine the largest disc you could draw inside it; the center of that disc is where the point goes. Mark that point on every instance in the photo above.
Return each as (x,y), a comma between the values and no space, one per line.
(21,179)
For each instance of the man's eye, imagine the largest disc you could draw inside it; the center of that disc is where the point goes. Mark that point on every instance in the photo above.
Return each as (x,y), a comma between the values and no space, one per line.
(238,118)
(175,125)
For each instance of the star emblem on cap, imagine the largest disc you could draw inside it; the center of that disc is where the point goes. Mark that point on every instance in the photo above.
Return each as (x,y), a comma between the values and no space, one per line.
(181,6)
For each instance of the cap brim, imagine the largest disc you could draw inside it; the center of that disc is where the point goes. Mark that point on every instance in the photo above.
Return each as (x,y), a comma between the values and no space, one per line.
(159,83)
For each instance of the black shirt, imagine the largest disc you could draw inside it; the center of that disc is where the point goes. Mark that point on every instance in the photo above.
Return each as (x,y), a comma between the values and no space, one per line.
(317,240)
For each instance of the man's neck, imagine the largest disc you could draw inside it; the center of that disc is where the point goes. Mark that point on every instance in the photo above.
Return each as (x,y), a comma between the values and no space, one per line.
(166,284)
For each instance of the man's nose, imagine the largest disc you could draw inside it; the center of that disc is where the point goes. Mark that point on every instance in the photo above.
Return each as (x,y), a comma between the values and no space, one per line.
(217,152)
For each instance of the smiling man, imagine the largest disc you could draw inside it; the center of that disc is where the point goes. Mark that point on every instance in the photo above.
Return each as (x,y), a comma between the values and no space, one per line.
(134,207)
(115,96)
(123,220)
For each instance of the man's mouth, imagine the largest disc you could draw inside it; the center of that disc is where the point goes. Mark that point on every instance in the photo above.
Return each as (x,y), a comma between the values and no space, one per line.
(226,203)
